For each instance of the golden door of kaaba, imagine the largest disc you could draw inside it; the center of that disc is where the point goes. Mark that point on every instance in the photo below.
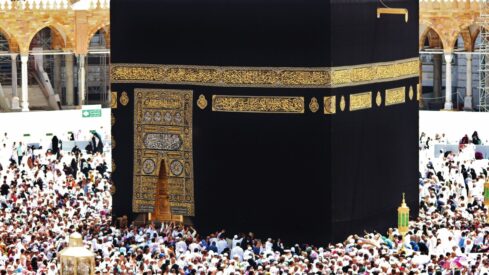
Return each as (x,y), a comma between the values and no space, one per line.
(163,174)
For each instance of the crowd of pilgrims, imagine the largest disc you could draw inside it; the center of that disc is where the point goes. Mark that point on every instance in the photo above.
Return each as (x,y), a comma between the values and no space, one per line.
(48,194)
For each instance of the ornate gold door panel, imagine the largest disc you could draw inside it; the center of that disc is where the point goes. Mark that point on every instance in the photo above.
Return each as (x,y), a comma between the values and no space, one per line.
(163,138)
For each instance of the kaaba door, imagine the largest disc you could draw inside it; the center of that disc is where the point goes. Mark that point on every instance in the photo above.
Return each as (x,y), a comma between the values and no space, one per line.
(162,211)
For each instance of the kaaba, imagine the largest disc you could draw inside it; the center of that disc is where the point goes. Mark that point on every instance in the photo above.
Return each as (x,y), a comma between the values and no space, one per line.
(291,119)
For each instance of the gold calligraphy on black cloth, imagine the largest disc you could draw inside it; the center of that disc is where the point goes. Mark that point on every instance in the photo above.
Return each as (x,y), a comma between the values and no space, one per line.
(286,77)
(163,134)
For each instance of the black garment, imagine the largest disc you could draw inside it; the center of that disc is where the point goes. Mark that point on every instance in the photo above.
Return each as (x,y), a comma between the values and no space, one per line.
(212,247)
(97,144)
(34,265)
(175,267)
(55,145)
(85,167)
(74,167)
(4,189)
(39,183)
(139,257)
(94,144)
(76,151)
(252,263)
(164,266)
(423,248)
(475,138)
(89,148)
(102,168)
(440,177)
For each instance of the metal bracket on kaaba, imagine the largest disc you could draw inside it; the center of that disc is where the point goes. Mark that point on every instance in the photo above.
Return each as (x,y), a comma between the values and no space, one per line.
(394,11)
(291,119)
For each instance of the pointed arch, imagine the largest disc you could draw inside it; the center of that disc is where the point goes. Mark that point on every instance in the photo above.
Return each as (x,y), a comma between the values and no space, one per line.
(12,42)
(58,34)
(475,35)
(462,41)
(433,37)
(103,26)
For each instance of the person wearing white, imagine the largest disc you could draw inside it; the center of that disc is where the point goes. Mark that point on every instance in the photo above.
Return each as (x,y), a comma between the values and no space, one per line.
(237,251)
(221,245)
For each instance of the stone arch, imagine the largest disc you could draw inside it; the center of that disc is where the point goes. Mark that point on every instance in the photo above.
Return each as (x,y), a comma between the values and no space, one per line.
(102,26)
(12,42)
(466,38)
(433,37)
(475,35)
(467,32)
(59,36)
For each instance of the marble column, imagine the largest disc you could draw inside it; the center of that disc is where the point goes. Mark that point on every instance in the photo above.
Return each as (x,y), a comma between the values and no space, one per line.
(81,78)
(15,96)
(468,86)
(25,87)
(448,81)
(437,76)
(70,94)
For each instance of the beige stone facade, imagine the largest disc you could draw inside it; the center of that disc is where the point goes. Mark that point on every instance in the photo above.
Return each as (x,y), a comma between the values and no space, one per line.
(72,24)
(72,28)
(442,22)
(448,33)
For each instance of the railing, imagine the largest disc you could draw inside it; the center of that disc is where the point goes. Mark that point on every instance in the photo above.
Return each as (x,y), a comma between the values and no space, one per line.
(53,4)
(436,103)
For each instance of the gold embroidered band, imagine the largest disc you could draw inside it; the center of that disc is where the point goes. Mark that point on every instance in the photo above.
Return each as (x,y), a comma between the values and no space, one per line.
(287,77)
(258,104)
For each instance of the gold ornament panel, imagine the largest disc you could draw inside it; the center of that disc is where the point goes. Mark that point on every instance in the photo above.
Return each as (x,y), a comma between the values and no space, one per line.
(287,77)
(202,102)
(360,101)
(395,96)
(314,105)
(163,136)
(113,100)
(330,105)
(378,99)
(342,103)
(124,99)
(258,104)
